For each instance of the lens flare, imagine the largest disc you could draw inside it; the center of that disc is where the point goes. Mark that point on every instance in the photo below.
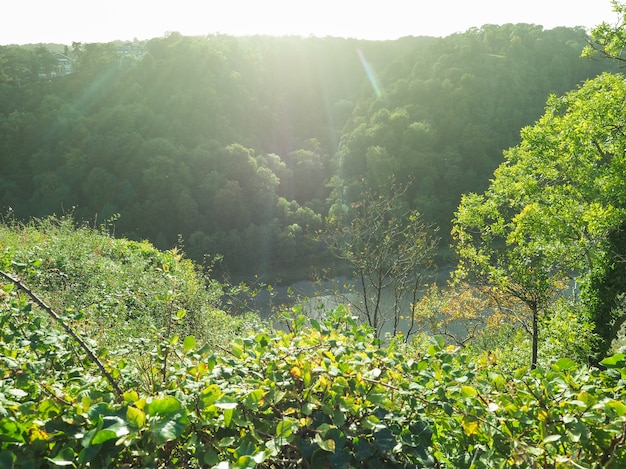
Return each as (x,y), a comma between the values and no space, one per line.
(369,72)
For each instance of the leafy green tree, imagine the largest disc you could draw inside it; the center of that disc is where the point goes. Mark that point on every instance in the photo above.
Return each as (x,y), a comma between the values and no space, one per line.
(490,256)
(555,207)
(607,40)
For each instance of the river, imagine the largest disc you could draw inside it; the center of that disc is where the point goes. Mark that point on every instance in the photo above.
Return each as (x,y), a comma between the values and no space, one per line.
(318,297)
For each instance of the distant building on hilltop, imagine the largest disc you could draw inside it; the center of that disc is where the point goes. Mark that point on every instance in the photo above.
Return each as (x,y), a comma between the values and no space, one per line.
(60,66)
(64,64)
(130,50)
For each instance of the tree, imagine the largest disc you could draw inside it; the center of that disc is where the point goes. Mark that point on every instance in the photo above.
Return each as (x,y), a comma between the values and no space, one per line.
(490,254)
(556,207)
(390,250)
(608,40)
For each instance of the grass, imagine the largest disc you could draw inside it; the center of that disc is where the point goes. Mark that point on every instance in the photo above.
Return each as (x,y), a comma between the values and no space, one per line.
(116,292)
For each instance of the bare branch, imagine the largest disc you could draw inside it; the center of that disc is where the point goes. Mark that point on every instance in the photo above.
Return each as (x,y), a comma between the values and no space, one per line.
(92,356)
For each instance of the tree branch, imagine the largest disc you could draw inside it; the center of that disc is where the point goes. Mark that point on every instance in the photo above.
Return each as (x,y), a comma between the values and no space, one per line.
(92,356)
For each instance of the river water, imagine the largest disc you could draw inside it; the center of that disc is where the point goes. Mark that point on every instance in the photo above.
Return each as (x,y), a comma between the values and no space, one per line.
(319,297)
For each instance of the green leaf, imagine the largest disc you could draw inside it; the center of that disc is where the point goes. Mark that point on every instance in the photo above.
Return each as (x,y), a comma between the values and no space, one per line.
(520,372)
(260,456)
(363,449)
(210,395)
(17,393)
(247,447)
(468,391)
(237,347)
(253,399)
(189,343)
(114,427)
(49,408)
(274,446)
(226,441)
(164,407)
(338,417)
(617,406)
(370,422)
(244,462)
(284,430)
(206,349)
(551,439)
(226,402)
(384,439)
(210,458)
(228,415)
(308,408)
(565,364)
(65,457)
(263,339)
(167,429)
(7,459)
(315,324)
(378,395)
(615,361)
(436,345)
(102,436)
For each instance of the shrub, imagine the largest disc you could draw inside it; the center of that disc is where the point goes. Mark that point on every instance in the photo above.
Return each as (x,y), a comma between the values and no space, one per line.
(123,291)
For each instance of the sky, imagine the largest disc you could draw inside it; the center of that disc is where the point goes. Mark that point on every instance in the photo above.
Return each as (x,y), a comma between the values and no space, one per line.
(67,21)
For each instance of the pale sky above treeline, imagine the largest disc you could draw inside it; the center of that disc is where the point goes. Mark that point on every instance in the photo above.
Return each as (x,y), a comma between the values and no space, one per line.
(67,21)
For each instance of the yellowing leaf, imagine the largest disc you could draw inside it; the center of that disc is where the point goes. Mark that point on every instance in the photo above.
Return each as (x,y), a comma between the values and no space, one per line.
(296,373)
(619,407)
(327,445)
(135,417)
(470,426)
(37,434)
(468,391)
(131,396)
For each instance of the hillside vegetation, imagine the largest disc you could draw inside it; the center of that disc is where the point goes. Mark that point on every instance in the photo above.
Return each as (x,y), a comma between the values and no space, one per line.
(119,350)
(162,390)
(243,145)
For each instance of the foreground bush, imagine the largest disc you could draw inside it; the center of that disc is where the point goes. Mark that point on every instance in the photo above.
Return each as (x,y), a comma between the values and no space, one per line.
(321,394)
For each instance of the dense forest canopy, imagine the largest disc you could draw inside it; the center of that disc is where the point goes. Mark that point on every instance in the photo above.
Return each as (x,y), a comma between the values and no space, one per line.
(241,146)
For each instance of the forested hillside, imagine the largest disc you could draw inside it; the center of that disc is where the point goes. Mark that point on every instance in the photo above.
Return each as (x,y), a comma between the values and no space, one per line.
(114,353)
(241,146)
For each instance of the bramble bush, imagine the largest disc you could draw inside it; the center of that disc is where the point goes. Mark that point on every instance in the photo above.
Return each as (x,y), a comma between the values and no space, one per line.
(321,394)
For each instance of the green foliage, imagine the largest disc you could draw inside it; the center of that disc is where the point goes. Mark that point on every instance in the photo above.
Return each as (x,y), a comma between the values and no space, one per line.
(451,106)
(607,40)
(603,293)
(556,206)
(120,293)
(564,333)
(207,136)
(325,394)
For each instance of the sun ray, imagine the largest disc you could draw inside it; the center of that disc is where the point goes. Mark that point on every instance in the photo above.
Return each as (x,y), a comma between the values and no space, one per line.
(369,72)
